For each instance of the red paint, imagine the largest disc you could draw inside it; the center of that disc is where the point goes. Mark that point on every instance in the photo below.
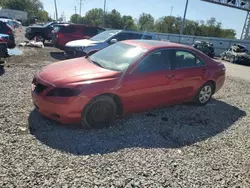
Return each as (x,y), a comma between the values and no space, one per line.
(137,91)
(62,38)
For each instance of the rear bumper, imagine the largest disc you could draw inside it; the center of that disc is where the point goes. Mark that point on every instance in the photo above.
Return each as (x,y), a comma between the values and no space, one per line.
(220,82)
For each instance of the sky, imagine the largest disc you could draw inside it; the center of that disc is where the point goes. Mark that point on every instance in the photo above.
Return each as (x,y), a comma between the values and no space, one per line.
(197,10)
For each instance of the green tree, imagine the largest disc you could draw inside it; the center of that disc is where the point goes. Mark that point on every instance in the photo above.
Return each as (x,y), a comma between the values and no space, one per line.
(75,18)
(113,20)
(93,17)
(146,22)
(34,8)
(128,22)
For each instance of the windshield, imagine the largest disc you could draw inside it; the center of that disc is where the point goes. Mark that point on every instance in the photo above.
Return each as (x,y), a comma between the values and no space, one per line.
(117,56)
(47,24)
(104,35)
(239,49)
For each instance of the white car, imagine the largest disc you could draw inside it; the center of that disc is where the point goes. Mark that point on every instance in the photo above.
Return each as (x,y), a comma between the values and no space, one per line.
(85,47)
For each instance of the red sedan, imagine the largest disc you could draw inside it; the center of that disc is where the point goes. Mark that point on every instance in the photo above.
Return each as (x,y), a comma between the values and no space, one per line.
(127,77)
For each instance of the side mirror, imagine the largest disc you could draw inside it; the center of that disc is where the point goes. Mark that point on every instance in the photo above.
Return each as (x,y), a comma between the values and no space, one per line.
(113,41)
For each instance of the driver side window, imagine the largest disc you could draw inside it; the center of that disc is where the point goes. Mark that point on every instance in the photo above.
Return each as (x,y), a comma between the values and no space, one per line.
(122,36)
(157,61)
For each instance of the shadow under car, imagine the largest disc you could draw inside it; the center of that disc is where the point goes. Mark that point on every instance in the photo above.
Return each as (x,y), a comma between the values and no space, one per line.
(171,127)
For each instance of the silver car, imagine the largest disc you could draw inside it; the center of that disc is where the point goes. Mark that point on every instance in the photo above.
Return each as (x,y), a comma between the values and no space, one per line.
(79,48)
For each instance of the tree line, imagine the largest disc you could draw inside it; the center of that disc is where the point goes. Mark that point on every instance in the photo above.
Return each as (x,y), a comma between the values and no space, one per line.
(113,19)
(34,8)
(146,22)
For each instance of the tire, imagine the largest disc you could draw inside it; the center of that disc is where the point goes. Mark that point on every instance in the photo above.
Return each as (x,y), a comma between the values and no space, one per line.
(204,94)
(232,60)
(99,113)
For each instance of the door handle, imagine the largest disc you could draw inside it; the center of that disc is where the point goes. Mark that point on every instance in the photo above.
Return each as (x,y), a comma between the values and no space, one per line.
(204,70)
(170,76)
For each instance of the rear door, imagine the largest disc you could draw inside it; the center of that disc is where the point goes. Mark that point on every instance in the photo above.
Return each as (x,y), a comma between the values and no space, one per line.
(68,33)
(150,85)
(190,73)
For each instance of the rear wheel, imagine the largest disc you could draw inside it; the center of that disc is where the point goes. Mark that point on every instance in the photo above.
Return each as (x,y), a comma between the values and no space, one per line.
(204,95)
(99,113)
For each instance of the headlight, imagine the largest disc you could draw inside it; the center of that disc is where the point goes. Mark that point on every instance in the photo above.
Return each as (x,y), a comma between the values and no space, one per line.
(80,48)
(64,92)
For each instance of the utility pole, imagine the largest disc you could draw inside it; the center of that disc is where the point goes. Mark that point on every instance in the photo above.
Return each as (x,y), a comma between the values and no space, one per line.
(171,10)
(80,7)
(56,10)
(75,10)
(104,12)
(183,20)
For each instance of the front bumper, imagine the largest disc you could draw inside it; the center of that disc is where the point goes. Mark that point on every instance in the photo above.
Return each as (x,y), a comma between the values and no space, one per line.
(66,110)
(71,52)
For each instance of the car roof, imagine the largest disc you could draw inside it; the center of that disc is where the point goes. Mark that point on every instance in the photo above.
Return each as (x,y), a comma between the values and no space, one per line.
(154,44)
(132,31)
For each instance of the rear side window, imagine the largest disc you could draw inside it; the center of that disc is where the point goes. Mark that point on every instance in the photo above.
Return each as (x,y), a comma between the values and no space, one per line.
(136,36)
(147,37)
(90,31)
(69,29)
(185,59)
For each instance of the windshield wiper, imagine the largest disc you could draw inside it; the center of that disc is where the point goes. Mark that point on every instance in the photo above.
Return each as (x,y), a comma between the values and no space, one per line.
(94,62)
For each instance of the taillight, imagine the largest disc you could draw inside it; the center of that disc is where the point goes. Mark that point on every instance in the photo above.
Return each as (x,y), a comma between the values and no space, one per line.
(59,35)
(4,40)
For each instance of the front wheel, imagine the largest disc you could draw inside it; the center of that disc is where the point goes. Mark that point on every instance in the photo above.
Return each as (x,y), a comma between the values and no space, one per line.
(99,113)
(204,95)
(232,60)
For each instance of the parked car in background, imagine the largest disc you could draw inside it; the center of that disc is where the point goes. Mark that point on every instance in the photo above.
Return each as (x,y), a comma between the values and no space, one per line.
(41,32)
(3,45)
(206,47)
(8,30)
(64,33)
(127,77)
(84,47)
(237,54)
(4,38)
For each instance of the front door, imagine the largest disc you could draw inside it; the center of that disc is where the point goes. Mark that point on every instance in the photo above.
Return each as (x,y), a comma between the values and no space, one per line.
(150,84)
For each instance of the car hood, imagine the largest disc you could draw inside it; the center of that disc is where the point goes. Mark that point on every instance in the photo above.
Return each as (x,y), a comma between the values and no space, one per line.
(82,42)
(74,71)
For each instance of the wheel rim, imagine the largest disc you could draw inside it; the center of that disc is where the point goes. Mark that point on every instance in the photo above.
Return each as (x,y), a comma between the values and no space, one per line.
(100,114)
(205,94)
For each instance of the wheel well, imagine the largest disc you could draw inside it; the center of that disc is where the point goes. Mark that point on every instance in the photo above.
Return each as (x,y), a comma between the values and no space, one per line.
(117,100)
(213,84)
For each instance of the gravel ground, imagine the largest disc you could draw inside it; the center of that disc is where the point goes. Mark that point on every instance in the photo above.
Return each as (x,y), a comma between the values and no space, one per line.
(179,146)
